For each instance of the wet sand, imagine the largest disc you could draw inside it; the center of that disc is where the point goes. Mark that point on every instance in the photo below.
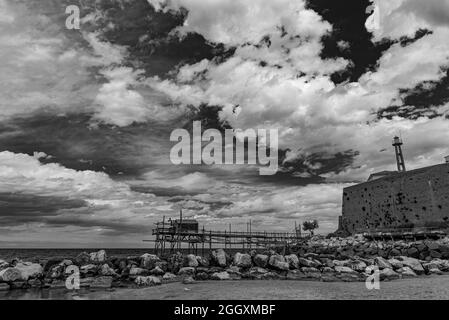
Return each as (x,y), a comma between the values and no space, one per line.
(427,287)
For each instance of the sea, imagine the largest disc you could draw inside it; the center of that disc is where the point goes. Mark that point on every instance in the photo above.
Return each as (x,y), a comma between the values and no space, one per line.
(35,255)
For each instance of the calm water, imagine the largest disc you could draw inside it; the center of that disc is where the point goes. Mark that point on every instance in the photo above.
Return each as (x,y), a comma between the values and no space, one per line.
(35,255)
(42,254)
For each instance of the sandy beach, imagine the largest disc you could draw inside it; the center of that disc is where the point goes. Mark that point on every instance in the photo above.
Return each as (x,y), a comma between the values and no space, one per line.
(428,287)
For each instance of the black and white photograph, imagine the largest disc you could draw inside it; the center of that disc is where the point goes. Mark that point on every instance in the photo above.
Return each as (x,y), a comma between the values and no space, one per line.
(224,150)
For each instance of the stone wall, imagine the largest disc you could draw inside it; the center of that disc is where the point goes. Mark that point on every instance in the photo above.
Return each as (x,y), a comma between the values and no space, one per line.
(413,199)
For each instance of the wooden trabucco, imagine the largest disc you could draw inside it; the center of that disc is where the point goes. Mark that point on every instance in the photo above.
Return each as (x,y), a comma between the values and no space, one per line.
(174,235)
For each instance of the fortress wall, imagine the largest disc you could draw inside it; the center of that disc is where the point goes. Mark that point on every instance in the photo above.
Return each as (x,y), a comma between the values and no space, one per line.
(413,199)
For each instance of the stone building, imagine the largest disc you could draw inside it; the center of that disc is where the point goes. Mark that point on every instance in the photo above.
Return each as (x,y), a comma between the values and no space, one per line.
(398,201)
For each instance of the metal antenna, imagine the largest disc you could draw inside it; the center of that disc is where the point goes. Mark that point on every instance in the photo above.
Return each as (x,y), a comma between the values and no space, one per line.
(397,143)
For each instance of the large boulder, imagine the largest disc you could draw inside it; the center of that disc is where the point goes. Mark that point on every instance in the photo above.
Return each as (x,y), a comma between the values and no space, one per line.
(202,276)
(413,263)
(202,261)
(342,269)
(309,263)
(135,271)
(121,264)
(219,257)
(261,260)
(292,261)
(257,272)
(56,272)
(394,252)
(242,260)
(435,254)
(220,276)
(191,261)
(295,275)
(388,274)
(406,272)
(157,271)
(413,252)
(395,263)
(432,267)
(149,261)
(147,281)
(433,245)
(10,275)
(106,270)
(3,264)
(443,265)
(89,269)
(98,257)
(169,276)
(382,263)
(29,270)
(50,263)
(175,262)
(341,263)
(188,280)
(234,272)
(358,265)
(278,262)
(186,271)
(435,271)
(82,259)
(162,265)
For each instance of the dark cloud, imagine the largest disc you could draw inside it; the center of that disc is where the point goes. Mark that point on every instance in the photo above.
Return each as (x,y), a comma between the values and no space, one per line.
(148,36)
(422,100)
(72,141)
(17,208)
(213,205)
(109,226)
(163,192)
(52,211)
(309,168)
(348,21)
(405,41)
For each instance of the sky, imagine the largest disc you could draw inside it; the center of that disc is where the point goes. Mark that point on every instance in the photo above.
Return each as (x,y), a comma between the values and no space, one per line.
(86,115)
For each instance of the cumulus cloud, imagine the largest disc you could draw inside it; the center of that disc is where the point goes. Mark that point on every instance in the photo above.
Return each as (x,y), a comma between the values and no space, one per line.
(47,66)
(120,105)
(403,17)
(52,195)
(25,174)
(39,67)
(279,80)
(274,72)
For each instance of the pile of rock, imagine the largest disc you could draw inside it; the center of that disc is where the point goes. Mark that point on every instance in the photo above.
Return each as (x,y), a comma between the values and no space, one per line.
(97,270)
(360,246)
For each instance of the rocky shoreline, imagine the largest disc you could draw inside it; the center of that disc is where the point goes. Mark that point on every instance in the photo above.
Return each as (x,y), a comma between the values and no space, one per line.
(318,259)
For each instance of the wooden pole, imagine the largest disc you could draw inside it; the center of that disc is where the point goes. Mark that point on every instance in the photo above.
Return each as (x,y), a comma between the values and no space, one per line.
(230,239)
(179,229)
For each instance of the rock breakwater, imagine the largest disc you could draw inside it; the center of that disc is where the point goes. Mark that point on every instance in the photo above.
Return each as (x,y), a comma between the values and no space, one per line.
(318,259)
